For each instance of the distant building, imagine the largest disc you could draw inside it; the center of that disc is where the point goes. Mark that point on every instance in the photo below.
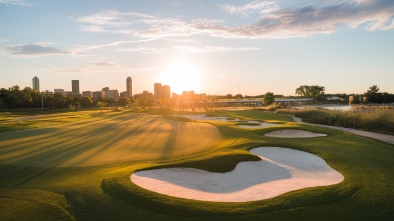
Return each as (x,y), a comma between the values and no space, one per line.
(188,96)
(144,93)
(123,94)
(36,83)
(157,90)
(166,92)
(97,95)
(114,94)
(75,87)
(58,90)
(87,94)
(129,87)
(107,93)
(67,93)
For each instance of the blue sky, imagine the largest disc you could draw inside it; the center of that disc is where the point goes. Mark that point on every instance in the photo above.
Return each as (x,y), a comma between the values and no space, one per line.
(250,47)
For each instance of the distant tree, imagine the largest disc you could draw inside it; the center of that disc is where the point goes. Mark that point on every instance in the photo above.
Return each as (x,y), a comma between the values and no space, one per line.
(388,98)
(310,91)
(238,96)
(229,96)
(71,106)
(373,96)
(123,101)
(101,105)
(269,98)
(59,100)
(146,100)
(86,102)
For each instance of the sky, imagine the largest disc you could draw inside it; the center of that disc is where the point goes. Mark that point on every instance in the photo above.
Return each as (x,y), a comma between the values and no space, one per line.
(215,47)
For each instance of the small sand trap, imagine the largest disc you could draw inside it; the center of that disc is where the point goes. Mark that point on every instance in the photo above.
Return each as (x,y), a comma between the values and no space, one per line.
(293,134)
(280,170)
(257,126)
(230,119)
(204,117)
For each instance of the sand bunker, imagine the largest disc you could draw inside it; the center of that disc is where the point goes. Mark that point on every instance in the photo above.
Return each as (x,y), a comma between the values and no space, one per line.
(204,117)
(257,125)
(280,170)
(293,134)
(230,119)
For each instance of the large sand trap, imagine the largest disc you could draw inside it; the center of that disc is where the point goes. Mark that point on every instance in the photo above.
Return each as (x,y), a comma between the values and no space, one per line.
(280,170)
(288,133)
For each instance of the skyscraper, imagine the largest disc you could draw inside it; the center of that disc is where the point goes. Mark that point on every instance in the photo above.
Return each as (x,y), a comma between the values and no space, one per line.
(157,90)
(36,83)
(166,92)
(129,87)
(75,87)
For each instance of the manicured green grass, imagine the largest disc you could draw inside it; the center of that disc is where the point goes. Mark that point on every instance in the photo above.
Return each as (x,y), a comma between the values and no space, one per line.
(105,192)
(10,121)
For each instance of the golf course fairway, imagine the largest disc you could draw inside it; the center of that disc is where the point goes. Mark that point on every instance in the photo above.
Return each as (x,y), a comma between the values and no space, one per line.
(77,165)
(128,137)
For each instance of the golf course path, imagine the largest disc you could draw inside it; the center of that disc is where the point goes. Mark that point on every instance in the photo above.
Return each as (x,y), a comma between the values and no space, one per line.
(382,137)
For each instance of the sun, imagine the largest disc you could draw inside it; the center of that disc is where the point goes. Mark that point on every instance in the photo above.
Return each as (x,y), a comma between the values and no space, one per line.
(181,76)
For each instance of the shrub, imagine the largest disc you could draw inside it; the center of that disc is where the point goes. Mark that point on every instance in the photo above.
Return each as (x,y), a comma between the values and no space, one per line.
(381,121)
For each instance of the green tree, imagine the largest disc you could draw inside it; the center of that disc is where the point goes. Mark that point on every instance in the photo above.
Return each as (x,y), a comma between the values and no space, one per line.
(101,105)
(123,101)
(373,95)
(86,102)
(145,100)
(238,96)
(269,98)
(59,100)
(310,90)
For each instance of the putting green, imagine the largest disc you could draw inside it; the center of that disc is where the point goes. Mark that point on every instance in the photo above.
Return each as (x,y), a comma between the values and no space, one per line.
(128,137)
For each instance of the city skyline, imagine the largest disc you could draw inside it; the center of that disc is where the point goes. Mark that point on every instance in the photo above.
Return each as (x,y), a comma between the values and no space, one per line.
(221,47)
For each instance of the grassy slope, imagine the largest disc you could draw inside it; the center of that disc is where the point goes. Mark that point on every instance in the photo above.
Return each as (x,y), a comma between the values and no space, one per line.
(104,192)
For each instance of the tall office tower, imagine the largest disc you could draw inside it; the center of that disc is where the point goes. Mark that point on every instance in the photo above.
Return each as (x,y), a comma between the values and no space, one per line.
(166,92)
(36,83)
(129,87)
(157,90)
(75,87)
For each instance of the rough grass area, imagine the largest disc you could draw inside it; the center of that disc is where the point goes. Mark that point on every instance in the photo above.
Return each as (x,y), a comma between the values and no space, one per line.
(104,191)
(380,121)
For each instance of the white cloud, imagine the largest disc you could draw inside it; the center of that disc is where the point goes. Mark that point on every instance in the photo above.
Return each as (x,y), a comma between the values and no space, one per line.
(260,6)
(313,17)
(206,49)
(16,2)
(83,49)
(32,50)
(186,49)
(310,20)
(175,4)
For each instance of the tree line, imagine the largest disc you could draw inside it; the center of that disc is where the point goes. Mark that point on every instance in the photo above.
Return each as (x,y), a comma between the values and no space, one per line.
(317,92)
(14,97)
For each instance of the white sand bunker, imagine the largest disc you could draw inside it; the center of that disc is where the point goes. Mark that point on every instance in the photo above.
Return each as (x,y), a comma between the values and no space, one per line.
(256,125)
(231,119)
(281,170)
(204,117)
(293,134)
